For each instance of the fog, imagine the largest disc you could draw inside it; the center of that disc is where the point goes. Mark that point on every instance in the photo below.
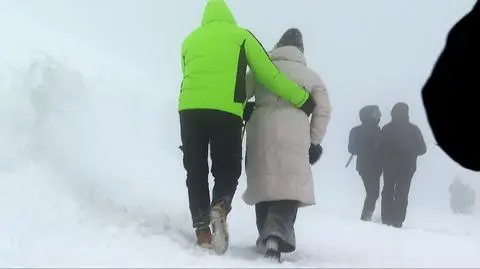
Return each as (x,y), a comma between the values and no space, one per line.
(118,124)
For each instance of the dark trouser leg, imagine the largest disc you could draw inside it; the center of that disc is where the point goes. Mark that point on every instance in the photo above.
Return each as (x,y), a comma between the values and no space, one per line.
(388,205)
(194,133)
(261,211)
(402,189)
(279,223)
(372,188)
(226,154)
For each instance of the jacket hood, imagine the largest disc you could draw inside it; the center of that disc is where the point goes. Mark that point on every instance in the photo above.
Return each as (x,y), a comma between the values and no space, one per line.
(217,11)
(400,112)
(288,53)
(370,114)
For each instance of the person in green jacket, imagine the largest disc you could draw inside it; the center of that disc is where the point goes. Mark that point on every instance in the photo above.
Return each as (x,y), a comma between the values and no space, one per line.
(212,98)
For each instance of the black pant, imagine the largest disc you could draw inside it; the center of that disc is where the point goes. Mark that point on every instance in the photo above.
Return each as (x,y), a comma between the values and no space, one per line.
(372,189)
(396,187)
(277,219)
(222,131)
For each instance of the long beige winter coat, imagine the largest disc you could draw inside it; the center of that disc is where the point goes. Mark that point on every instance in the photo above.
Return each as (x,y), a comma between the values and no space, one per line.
(279,135)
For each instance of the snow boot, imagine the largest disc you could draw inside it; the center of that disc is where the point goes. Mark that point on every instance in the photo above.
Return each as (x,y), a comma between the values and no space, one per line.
(272,252)
(204,237)
(218,216)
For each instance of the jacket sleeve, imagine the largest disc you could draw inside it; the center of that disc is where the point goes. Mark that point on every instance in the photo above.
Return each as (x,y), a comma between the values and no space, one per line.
(321,114)
(419,143)
(268,74)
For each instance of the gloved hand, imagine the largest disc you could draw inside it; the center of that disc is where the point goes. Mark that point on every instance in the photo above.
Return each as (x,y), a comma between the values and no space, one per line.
(314,153)
(248,110)
(309,105)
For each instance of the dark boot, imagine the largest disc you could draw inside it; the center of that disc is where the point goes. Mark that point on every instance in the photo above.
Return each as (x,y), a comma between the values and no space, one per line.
(204,237)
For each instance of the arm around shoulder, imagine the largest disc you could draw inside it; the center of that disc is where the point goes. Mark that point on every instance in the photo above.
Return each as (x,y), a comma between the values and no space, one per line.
(269,75)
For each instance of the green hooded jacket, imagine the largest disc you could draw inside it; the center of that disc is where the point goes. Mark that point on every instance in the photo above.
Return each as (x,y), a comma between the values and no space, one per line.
(215,57)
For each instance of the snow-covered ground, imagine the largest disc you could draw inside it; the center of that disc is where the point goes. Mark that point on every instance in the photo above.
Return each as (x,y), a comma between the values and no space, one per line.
(91,175)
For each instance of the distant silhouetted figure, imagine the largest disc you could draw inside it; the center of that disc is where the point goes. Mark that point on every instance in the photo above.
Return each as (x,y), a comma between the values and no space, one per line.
(450,94)
(462,198)
(363,141)
(401,142)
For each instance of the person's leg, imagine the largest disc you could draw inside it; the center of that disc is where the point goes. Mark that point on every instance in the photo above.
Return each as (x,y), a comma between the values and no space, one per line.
(195,160)
(388,206)
(226,155)
(402,189)
(261,211)
(279,224)
(372,188)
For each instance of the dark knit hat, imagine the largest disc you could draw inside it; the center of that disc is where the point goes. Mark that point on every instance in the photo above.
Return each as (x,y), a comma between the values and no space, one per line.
(292,37)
